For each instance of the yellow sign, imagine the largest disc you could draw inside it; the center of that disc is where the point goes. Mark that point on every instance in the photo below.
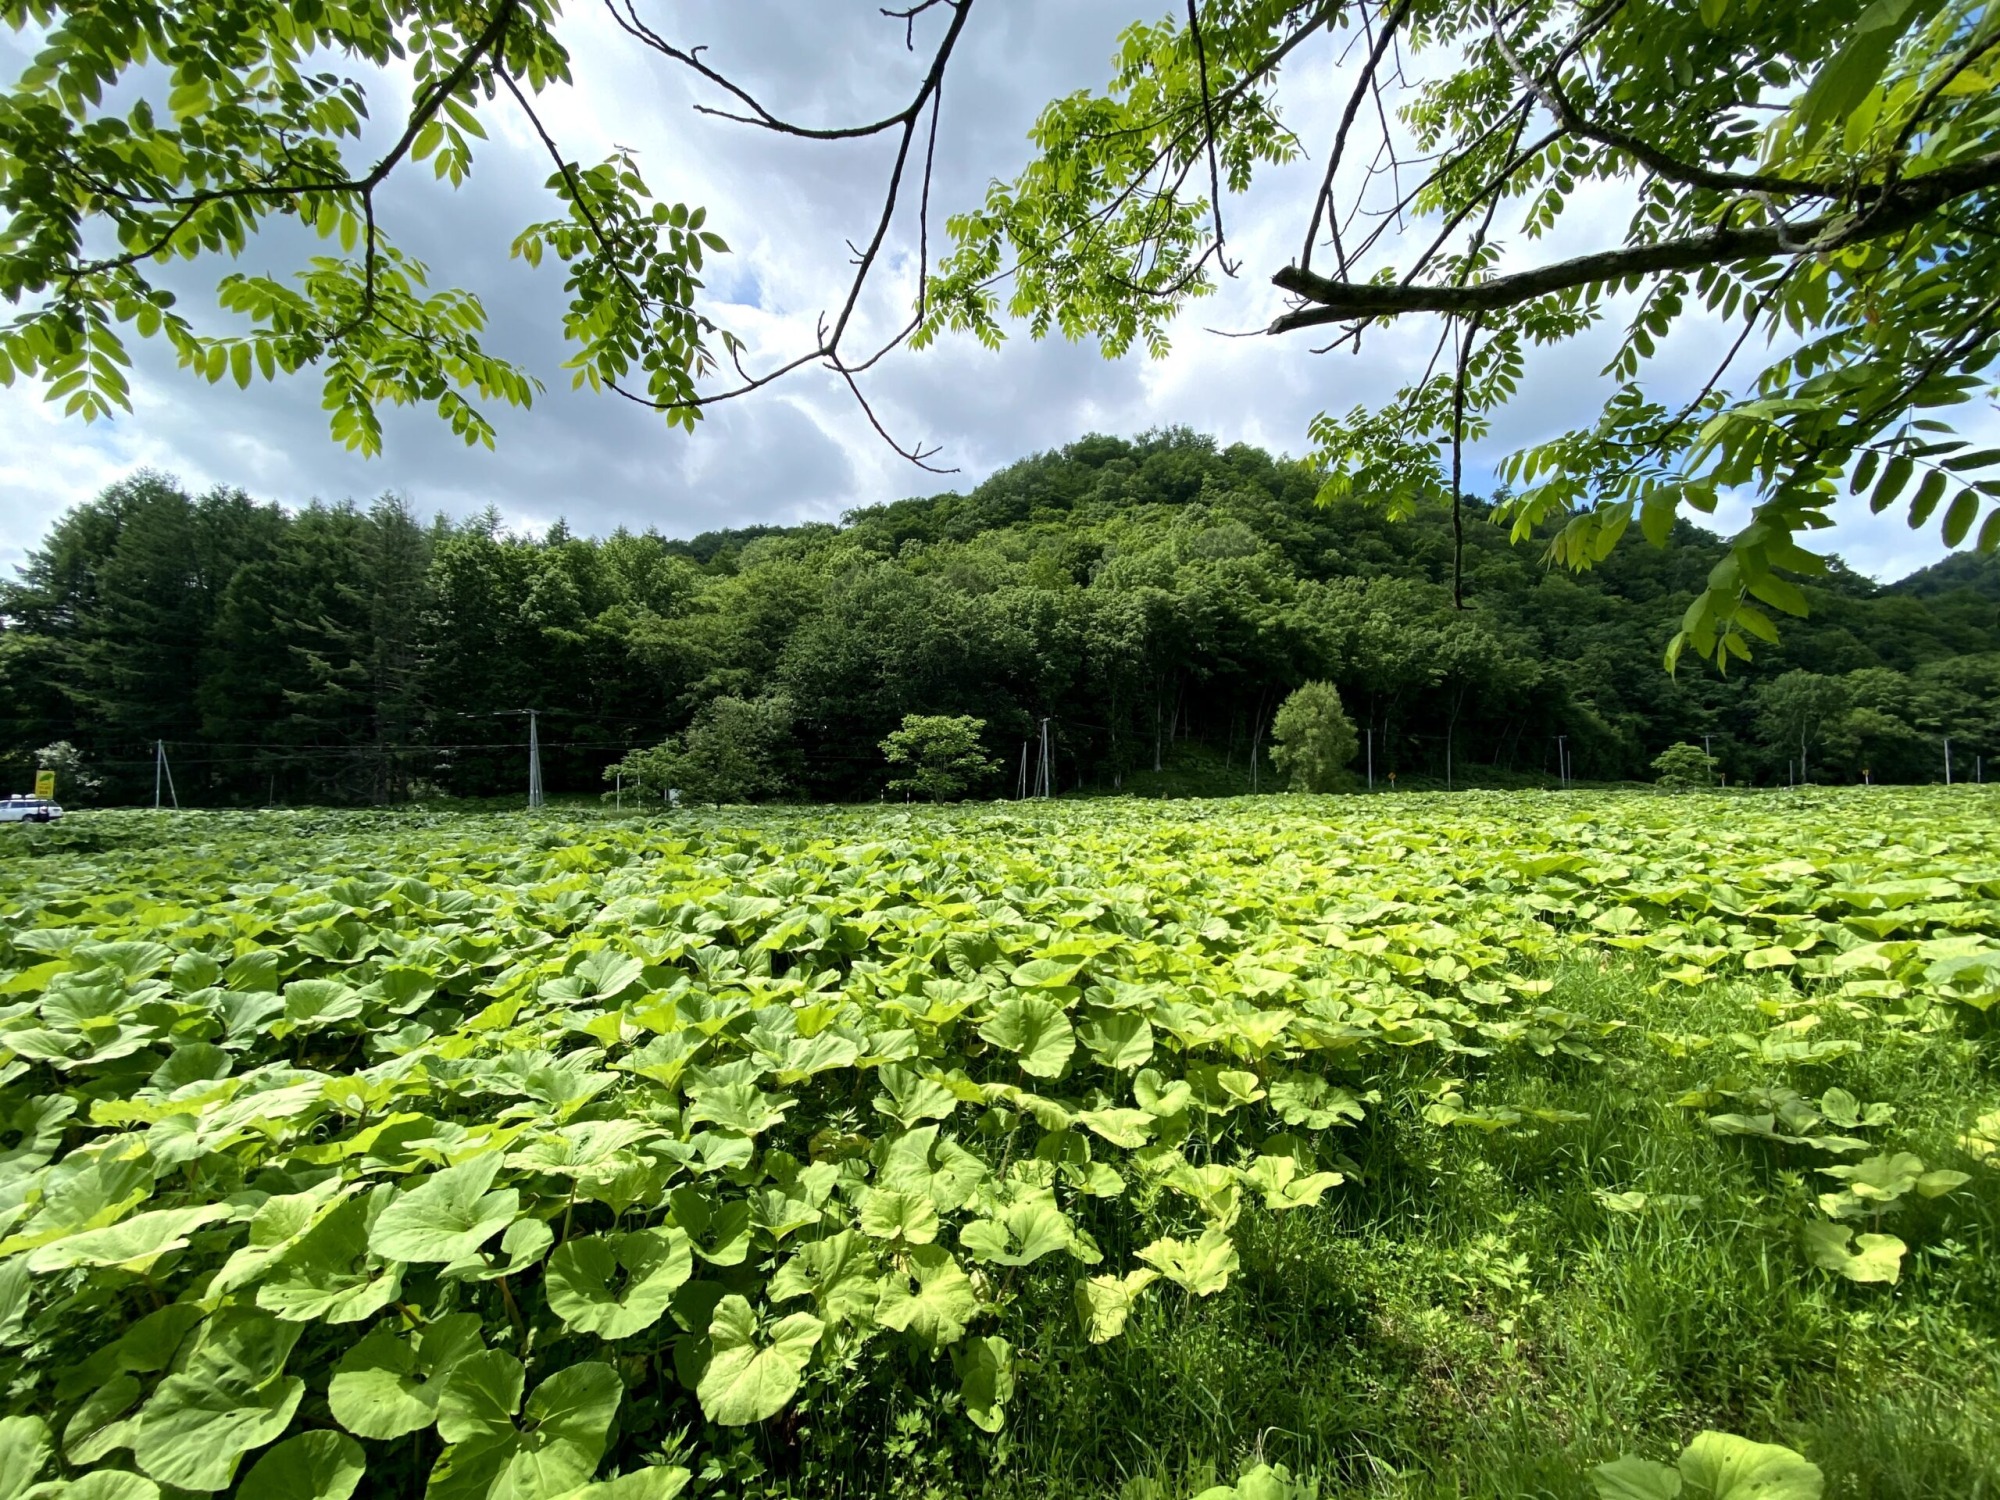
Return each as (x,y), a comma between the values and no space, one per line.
(45,783)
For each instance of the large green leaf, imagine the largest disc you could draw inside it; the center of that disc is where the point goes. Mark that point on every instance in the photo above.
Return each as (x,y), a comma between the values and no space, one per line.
(900,1217)
(839,1273)
(616,1285)
(752,1374)
(133,1244)
(935,1301)
(386,1386)
(552,1452)
(1019,1234)
(331,1275)
(1035,1030)
(447,1216)
(24,1450)
(1202,1267)
(1871,1258)
(311,1466)
(1104,1303)
(986,1380)
(231,1396)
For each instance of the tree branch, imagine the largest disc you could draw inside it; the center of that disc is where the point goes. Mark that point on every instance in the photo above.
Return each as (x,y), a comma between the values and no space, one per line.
(1889,213)
(1545,87)
(1323,203)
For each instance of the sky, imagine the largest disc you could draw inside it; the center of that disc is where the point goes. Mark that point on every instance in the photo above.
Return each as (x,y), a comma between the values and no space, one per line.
(802,449)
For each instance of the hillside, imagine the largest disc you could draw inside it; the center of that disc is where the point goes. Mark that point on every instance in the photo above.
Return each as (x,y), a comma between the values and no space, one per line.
(1154,599)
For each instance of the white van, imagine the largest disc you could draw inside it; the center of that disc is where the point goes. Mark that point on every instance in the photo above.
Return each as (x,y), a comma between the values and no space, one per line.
(20,809)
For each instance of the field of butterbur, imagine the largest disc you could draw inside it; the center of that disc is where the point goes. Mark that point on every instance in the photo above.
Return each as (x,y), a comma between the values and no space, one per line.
(1276,1149)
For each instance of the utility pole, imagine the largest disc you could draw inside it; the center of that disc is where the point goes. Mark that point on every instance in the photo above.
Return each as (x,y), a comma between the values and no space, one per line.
(1022,794)
(534,760)
(162,769)
(1562,759)
(1371,757)
(619,805)
(1045,772)
(1947,760)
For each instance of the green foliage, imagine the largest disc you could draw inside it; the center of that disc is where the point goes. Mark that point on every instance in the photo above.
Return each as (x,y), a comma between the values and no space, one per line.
(1715,1466)
(1312,739)
(203,127)
(1684,768)
(1148,597)
(1798,709)
(1811,172)
(941,754)
(74,778)
(736,750)
(625,1131)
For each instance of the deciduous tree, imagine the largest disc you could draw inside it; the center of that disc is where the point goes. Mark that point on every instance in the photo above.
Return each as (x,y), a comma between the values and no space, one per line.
(1312,739)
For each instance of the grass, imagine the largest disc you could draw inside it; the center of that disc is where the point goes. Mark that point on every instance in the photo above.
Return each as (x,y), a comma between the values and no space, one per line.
(1466,1318)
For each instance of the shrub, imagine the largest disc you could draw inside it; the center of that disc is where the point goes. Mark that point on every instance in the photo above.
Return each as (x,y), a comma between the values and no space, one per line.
(1312,739)
(736,750)
(1684,767)
(941,754)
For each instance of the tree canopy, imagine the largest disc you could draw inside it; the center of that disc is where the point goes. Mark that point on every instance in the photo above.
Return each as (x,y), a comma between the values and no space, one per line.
(1312,739)
(1816,174)
(1154,599)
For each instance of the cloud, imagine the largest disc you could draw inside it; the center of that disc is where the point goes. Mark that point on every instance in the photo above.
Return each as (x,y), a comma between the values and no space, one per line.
(790,209)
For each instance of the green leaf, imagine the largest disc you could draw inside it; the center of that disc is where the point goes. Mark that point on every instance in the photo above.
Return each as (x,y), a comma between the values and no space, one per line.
(447,1216)
(132,1244)
(1848,76)
(838,1273)
(1020,1234)
(1926,499)
(1883,1178)
(100,1484)
(656,1482)
(1873,1257)
(1201,1267)
(24,1450)
(616,1285)
(1035,1030)
(934,1302)
(330,1275)
(986,1380)
(1636,1479)
(1103,1303)
(313,1003)
(229,1398)
(1046,973)
(553,1453)
(1279,1179)
(749,1379)
(387,1387)
(1721,1466)
(1119,1039)
(1959,518)
(902,1218)
(311,1466)
(718,1232)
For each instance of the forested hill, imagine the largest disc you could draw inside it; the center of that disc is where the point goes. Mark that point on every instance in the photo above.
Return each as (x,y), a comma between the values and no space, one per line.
(1153,599)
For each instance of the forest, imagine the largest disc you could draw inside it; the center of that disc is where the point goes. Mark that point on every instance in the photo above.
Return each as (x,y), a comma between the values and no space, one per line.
(1154,599)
